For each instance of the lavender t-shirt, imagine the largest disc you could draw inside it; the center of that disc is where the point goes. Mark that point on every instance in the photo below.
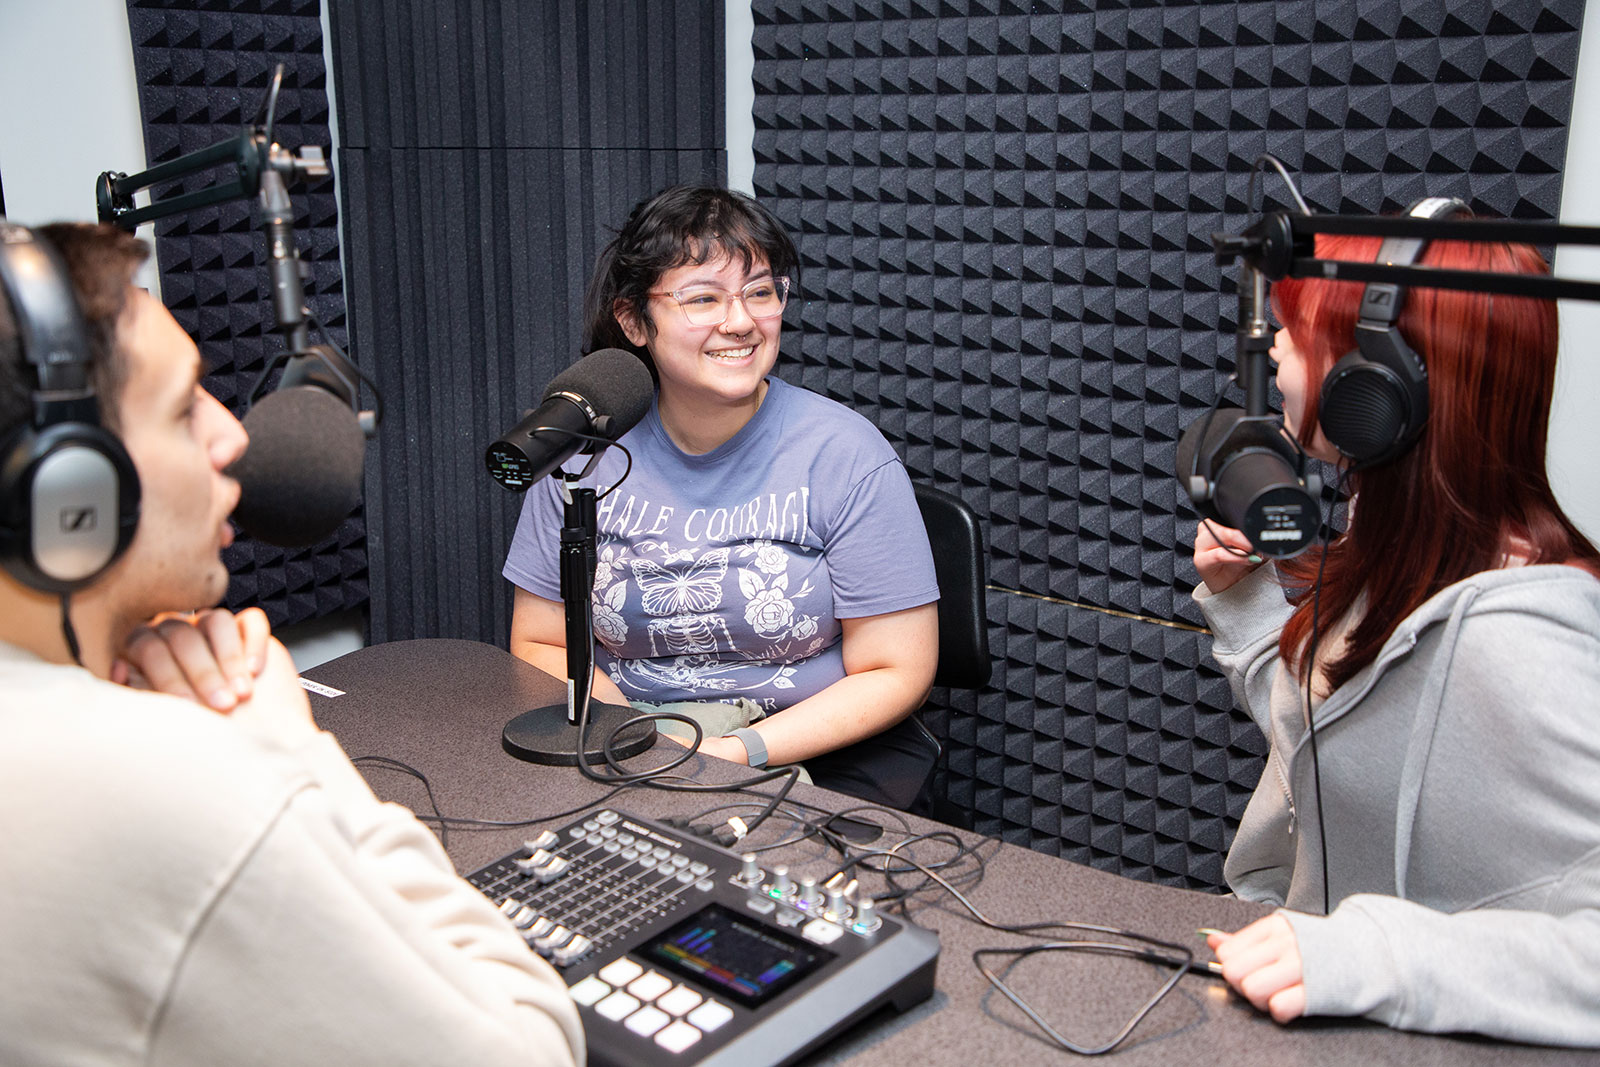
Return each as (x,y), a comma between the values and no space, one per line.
(724,575)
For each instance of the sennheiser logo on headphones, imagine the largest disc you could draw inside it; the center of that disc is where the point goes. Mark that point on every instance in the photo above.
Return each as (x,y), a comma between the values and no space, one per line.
(77,520)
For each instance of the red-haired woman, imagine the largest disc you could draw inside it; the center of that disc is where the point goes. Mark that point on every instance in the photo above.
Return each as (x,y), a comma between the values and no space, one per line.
(1455,690)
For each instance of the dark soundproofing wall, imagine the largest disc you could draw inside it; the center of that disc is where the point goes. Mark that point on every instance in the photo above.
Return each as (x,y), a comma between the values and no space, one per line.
(1004,210)
(487,151)
(203,69)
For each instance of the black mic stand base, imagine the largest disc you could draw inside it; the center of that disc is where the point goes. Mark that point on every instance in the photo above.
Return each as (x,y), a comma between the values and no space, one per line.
(544,736)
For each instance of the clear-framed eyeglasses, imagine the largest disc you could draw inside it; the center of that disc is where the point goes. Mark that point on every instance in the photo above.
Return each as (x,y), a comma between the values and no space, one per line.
(705,305)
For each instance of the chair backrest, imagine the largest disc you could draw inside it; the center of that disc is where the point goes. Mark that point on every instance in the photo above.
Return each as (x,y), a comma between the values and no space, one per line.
(958,561)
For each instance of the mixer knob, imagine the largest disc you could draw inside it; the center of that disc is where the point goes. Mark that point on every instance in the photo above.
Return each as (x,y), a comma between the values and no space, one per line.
(749,871)
(838,906)
(782,885)
(867,915)
(810,895)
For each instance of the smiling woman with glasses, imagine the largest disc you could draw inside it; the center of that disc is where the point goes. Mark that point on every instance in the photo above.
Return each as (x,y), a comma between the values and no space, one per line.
(764,569)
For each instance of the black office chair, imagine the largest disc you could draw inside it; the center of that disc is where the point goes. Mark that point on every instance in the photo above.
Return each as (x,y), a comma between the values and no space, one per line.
(893,768)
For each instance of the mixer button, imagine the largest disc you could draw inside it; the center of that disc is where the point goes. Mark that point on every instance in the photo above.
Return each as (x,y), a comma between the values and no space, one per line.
(677,1037)
(685,877)
(617,1006)
(698,868)
(647,1021)
(822,932)
(625,839)
(680,860)
(613,847)
(594,839)
(621,971)
(576,832)
(647,862)
(704,885)
(606,818)
(661,852)
(681,1001)
(630,854)
(711,1015)
(760,905)
(591,826)
(650,986)
(588,991)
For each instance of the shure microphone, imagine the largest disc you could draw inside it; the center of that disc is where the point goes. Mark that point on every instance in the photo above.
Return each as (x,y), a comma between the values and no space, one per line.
(1240,468)
(603,395)
(1244,472)
(301,475)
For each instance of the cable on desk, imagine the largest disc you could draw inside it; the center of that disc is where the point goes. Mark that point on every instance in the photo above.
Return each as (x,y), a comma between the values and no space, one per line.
(1181,961)
(427,788)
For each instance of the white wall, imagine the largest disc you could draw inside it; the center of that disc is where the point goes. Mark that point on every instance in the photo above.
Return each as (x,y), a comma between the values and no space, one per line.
(1575,417)
(69,108)
(741,97)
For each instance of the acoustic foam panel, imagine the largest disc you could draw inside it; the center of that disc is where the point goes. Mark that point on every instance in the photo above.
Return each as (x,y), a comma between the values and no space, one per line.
(1004,211)
(203,71)
(488,151)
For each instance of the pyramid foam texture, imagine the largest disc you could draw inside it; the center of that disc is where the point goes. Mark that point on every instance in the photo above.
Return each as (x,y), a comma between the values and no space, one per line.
(203,70)
(1004,211)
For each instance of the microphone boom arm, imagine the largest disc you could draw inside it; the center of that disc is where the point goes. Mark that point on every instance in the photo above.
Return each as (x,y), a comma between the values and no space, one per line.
(1280,245)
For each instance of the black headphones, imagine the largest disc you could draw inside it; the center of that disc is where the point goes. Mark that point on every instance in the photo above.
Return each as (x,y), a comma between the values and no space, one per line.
(1375,399)
(69,494)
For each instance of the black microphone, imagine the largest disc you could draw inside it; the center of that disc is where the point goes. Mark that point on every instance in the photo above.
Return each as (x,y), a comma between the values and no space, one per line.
(301,476)
(1243,471)
(602,395)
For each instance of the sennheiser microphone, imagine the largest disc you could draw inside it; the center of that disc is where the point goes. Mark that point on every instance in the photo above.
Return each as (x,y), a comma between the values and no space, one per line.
(300,477)
(1244,472)
(603,395)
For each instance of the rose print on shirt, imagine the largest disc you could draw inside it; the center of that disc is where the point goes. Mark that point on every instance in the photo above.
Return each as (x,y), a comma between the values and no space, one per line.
(609,625)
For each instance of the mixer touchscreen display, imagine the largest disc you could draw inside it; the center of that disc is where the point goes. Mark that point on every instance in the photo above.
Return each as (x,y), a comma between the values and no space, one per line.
(734,956)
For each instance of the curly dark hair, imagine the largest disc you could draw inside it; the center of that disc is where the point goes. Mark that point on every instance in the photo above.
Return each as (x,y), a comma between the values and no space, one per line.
(683,224)
(101,261)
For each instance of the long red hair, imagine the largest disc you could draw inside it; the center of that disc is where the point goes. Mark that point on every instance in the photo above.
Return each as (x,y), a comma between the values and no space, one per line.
(1473,488)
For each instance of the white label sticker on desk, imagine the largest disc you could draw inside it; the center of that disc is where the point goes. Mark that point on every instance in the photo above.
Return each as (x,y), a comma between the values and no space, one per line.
(320,689)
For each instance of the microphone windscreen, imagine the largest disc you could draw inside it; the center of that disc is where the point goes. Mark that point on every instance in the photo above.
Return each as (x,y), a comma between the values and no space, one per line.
(615,383)
(301,476)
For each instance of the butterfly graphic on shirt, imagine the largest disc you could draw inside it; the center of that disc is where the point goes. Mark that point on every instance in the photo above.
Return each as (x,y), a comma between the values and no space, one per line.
(682,600)
(695,588)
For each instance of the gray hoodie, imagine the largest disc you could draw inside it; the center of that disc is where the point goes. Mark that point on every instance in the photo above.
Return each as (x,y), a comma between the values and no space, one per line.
(1461,790)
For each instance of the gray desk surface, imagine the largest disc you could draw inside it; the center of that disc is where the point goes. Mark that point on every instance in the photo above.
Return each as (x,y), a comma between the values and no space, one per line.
(440,705)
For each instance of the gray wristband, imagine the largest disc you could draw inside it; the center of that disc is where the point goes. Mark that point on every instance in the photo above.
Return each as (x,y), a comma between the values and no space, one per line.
(755,748)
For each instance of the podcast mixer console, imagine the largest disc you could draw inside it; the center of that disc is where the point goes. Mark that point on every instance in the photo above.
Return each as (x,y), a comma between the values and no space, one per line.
(680,952)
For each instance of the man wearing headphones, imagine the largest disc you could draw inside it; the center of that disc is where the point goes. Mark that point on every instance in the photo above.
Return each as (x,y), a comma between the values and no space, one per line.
(183,885)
